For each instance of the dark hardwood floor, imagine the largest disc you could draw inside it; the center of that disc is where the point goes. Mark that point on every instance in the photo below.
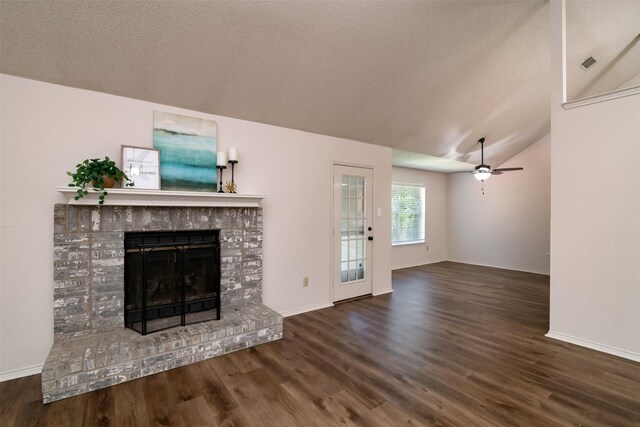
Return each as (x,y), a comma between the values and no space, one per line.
(455,345)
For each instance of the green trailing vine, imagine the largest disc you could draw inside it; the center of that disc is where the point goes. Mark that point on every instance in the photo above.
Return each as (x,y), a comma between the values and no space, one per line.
(91,173)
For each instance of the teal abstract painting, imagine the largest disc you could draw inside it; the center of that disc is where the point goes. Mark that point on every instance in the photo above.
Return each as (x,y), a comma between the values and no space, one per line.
(187,152)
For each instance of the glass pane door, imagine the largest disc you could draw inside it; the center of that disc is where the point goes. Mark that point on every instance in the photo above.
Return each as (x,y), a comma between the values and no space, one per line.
(353,219)
(352,232)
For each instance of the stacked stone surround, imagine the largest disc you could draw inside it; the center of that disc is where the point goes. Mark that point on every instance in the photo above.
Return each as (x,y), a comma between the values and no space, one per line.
(92,349)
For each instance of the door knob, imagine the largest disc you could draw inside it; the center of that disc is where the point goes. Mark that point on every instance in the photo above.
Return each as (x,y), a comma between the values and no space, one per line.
(369,228)
(370,238)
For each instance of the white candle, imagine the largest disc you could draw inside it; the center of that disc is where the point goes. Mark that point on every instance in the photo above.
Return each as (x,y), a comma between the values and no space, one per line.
(233,154)
(222,158)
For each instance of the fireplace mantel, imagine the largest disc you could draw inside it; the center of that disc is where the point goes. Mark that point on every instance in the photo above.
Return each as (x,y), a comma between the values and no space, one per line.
(137,197)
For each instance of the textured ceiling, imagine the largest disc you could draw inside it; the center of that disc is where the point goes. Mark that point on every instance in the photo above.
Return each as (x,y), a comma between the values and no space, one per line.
(428,77)
(609,31)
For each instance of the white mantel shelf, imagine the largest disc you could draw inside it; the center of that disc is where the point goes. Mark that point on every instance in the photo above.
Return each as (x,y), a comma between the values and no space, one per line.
(137,197)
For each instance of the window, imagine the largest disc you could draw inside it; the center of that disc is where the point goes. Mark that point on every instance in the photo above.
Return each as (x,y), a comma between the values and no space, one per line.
(407,214)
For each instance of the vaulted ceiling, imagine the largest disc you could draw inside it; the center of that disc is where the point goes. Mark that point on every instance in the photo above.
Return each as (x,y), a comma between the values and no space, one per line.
(428,77)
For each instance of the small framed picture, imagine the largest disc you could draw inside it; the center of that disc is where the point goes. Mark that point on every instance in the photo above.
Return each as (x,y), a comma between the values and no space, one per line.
(142,166)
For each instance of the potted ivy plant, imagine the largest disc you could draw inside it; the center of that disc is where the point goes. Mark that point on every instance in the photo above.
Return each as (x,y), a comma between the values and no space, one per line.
(97,174)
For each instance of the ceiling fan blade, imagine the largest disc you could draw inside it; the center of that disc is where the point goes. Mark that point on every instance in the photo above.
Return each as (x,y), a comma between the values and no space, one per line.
(462,172)
(496,172)
(507,169)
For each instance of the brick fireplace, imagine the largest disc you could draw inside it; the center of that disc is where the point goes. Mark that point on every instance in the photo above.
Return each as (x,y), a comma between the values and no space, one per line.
(92,349)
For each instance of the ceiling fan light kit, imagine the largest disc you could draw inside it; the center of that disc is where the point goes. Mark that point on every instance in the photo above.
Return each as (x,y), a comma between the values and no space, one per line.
(482,171)
(482,174)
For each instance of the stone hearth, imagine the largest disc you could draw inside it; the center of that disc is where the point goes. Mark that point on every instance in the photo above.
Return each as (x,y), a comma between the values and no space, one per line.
(92,349)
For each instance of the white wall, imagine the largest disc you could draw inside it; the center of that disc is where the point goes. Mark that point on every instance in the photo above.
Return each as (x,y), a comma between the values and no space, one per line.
(508,226)
(47,129)
(595,217)
(435,248)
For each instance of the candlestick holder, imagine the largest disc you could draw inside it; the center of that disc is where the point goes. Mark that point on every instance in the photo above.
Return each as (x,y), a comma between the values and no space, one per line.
(221,168)
(233,183)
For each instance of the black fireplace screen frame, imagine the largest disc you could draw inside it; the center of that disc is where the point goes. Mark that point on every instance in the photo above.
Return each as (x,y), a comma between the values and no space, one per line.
(140,246)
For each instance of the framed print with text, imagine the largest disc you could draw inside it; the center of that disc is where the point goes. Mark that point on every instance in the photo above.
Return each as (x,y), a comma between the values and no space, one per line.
(142,166)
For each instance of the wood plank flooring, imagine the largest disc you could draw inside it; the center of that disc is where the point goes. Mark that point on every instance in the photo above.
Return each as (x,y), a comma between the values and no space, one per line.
(454,345)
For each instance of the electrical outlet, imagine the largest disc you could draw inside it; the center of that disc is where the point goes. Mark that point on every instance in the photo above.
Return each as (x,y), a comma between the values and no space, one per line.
(427,248)
(305,282)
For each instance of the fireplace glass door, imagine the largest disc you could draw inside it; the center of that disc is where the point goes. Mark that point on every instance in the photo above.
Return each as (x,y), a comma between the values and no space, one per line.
(171,279)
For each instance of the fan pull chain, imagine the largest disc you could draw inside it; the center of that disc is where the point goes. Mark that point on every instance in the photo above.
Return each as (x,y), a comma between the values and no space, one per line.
(482,186)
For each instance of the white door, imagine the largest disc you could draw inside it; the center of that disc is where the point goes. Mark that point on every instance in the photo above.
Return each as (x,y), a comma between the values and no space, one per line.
(352,231)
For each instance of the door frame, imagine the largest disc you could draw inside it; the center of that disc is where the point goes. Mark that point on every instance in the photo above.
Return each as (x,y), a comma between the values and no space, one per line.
(334,225)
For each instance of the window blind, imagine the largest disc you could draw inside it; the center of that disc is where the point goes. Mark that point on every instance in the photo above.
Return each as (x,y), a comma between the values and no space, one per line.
(407,213)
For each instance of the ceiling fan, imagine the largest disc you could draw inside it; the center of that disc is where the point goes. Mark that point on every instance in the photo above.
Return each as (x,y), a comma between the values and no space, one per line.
(482,171)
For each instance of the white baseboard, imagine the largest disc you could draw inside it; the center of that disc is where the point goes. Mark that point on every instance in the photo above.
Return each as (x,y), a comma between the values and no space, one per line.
(293,312)
(21,372)
(594,346)
(417,265)
(502,267)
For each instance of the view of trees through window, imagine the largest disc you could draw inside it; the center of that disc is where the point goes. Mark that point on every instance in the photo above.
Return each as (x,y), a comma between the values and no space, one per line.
(407,213)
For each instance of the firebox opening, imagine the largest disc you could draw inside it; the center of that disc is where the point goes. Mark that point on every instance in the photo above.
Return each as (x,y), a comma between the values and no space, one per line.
(172,278)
